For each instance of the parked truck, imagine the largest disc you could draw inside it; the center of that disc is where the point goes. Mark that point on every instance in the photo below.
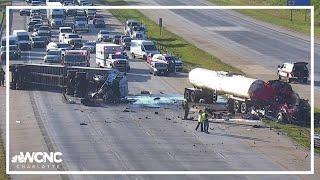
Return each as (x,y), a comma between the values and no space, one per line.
(274,99)
(111,56)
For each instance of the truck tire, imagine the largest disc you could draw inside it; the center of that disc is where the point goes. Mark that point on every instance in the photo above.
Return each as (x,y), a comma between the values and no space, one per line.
(133,55)
(243,108)
(236,106)
(279,77)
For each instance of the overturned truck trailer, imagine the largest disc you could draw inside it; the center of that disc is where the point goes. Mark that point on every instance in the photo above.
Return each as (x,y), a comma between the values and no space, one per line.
(83,82)
(274,98)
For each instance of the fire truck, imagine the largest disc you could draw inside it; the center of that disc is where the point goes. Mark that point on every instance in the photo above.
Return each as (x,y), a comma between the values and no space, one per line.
(76,58)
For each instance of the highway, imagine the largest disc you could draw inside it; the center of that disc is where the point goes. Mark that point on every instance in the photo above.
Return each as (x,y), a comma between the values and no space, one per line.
(142,139)
(255,47)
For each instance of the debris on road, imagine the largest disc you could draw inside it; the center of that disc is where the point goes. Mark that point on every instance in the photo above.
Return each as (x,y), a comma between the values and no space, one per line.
(146,92)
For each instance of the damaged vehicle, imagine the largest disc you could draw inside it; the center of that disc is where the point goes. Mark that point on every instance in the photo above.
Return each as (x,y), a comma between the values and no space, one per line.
(273,99)
(90,85)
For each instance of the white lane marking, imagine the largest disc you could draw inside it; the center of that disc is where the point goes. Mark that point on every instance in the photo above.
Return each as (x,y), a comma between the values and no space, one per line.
(221,155)
(227,28)
(136,74)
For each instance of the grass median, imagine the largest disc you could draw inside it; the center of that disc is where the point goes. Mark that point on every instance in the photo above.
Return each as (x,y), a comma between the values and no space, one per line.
(299,134)
(300,18)
(172,43)
(3,175)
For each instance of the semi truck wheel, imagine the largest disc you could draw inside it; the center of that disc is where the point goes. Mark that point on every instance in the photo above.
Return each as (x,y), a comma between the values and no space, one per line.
(243,108)
(236,106)
(133,56)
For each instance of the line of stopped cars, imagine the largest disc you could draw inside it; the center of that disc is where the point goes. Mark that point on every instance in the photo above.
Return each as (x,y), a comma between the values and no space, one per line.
(60,31)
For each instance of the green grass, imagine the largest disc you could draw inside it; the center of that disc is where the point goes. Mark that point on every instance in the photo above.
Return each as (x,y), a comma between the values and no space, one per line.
(278,17)
(173,44)
(299,134)
(3,175)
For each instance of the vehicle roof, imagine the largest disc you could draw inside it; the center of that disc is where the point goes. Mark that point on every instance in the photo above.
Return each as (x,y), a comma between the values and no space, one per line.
(132,20)
(65,28)
(19,31)
(107,44)
(142,41)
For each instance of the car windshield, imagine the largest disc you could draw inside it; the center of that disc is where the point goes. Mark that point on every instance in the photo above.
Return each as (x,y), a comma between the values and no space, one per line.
(160,65)
(44,28)
(127,39)
(43,34)
(134,23)
(53,52)
(23,38)
(300,68)
(73,36)
(38,39)
(150,47)
(66,30)
(57,16)
(170,58)
(89,44)
(118,56)
(63,45)
(104,32)
(73,58)
(81,19)
(139,36)
(138,28)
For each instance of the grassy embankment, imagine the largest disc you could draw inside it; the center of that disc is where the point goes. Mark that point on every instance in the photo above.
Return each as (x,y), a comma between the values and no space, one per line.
(300,22)
(192,56)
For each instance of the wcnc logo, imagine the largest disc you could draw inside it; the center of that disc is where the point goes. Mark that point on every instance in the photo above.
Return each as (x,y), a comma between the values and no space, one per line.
(28,158)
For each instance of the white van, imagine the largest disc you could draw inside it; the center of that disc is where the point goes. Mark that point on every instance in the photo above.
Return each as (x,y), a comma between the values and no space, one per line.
(141,48)
(23,39)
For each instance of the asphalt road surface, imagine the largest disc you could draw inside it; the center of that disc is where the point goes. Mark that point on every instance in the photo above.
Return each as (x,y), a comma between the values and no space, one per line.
(140,139)
(256,48)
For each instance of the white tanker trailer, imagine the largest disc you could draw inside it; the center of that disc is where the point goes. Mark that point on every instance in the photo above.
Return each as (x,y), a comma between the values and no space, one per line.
(209,84)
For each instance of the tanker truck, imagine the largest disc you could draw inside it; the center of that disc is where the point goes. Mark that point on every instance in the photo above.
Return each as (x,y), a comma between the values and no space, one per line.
(274,98)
